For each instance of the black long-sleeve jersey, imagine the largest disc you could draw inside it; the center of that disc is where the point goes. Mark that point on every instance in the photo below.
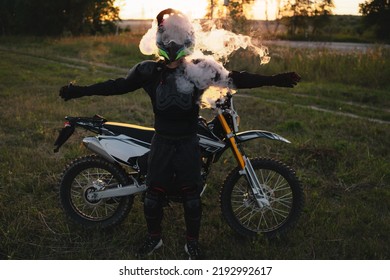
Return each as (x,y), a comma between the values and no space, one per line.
(174,96)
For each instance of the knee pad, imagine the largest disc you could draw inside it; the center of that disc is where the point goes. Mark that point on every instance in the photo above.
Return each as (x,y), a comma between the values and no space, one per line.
(192,209)
(191,199)
(193,203)
(190,192)
(153,212)
(153,203)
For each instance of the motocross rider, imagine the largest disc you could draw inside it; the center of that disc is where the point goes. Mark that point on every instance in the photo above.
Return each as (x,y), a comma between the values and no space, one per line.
(175,147)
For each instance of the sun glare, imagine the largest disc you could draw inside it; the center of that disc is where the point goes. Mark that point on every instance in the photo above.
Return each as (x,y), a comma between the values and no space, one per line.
(262,9)
(148,9)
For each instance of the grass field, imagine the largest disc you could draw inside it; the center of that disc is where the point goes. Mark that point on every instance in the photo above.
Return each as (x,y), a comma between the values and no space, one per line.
(338,120)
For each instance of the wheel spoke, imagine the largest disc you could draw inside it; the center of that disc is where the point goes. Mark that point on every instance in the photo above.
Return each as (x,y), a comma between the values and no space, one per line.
(86,182)
(267,218)
(279,186)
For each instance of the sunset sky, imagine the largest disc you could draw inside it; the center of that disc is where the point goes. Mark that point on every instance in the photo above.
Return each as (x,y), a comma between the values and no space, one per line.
(146,9)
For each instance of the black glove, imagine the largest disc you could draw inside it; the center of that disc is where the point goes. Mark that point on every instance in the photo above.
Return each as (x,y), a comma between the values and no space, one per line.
(70,91)
(289,79)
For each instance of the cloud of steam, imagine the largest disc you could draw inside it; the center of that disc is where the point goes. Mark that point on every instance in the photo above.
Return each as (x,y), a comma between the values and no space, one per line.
(205,71)
(177,28)
(206,74)
(174,27)
(222,43)
(219,43)
(147,44)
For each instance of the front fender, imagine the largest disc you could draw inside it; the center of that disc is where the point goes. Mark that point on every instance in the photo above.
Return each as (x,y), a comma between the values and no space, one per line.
(253,134)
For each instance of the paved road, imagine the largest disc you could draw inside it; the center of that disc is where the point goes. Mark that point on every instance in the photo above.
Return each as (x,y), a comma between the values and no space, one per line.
(340,46)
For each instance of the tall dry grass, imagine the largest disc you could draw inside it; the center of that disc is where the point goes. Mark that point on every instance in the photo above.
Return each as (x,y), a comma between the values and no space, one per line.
(343,161)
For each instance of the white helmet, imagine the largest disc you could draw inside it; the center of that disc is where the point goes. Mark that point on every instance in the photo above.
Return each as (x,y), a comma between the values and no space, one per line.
(175,36)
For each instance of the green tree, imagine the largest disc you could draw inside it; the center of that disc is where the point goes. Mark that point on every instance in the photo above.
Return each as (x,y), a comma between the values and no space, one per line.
(306,16)
(42,17)
(295,13)
(235,11)
(376,14)
(7,13)
(239,11)
(38,17)
(321,15)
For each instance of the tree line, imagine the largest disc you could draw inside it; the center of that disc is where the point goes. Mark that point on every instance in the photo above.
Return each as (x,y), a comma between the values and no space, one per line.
(297,15)
(376,15)
(43,17)
(75,17)
(303,17)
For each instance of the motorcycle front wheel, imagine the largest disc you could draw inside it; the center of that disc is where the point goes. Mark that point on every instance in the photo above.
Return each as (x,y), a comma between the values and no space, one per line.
(88,174)
(283,190)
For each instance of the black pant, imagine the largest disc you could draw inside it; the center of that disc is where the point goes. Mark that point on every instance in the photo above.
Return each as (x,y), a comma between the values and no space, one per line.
(174,167)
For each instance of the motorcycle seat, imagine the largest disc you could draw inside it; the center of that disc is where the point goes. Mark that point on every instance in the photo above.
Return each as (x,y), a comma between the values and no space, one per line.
(136,131)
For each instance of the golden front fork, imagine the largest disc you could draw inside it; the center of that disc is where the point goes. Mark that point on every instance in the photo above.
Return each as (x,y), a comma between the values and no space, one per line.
(229,134)
(245,165)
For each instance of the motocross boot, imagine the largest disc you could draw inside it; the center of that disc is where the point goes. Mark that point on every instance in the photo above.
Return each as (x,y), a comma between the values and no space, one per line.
(193,250)
(151,244)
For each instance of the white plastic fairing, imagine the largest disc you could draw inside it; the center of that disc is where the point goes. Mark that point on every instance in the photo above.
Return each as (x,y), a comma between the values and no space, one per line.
(210,145)
(94,145)
(253,134)
(123,147)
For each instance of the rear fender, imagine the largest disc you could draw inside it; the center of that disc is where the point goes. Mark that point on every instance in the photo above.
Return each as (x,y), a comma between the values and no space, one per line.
(63,136)
(254,134)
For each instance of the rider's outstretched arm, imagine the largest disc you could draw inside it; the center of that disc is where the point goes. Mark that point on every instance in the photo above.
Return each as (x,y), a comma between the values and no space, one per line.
(137,78)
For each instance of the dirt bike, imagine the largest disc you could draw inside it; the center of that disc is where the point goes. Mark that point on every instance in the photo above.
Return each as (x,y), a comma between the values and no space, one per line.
(260,195)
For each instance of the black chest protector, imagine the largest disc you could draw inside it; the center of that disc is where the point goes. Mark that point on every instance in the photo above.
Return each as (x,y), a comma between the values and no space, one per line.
(170,97)
(174,97)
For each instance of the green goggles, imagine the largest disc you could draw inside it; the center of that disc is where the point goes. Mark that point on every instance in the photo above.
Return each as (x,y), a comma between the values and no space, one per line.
(173,51)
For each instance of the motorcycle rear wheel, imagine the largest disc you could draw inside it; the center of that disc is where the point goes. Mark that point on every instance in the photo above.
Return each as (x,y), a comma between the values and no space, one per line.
(85,175)
(284,192)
